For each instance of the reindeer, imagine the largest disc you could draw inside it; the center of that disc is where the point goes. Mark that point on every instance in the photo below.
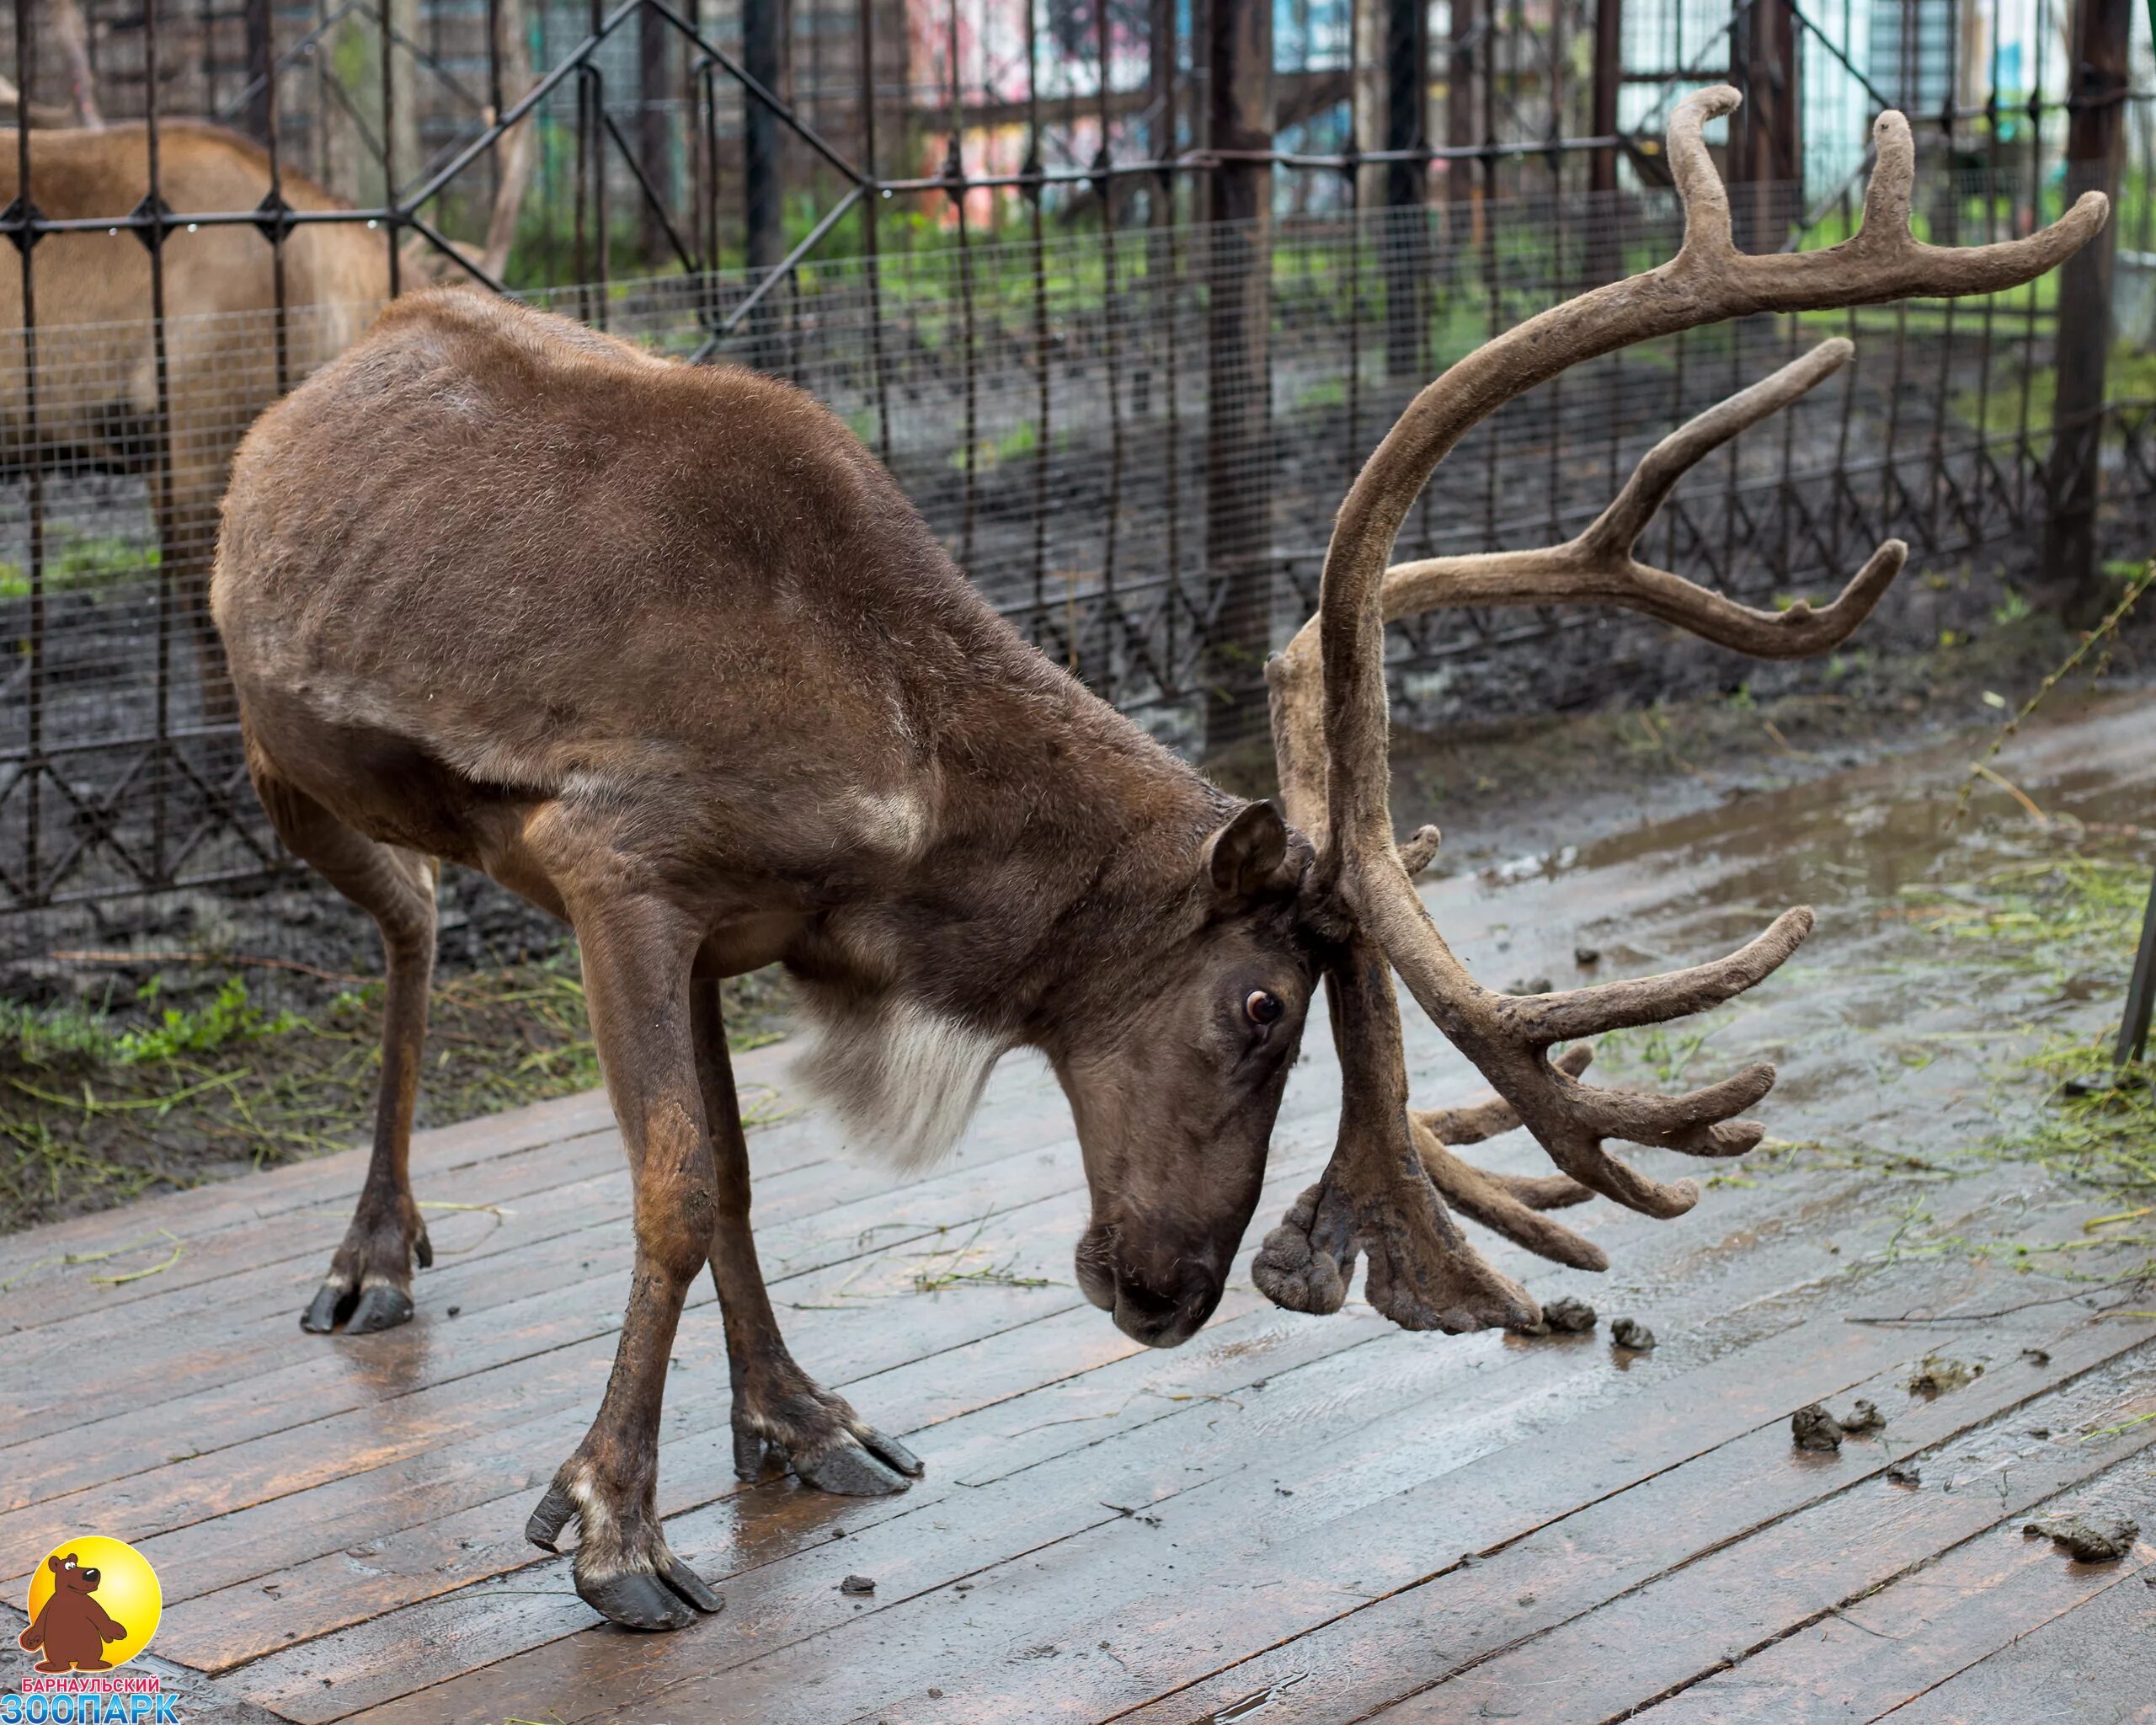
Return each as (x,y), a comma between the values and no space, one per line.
(98,396)
(665,651)
(96,352)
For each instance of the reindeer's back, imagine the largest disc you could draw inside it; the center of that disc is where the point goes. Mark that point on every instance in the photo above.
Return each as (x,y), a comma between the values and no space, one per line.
(536,554)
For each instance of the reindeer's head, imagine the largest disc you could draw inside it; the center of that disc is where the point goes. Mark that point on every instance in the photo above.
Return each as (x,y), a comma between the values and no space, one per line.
(1175,1086)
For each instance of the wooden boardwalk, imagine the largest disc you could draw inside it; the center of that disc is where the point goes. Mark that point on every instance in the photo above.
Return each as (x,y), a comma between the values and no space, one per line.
(1289,1519)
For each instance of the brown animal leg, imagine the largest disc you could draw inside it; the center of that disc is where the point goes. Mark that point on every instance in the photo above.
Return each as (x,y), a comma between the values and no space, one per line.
(783,1417)
(636,975)
(368,1286)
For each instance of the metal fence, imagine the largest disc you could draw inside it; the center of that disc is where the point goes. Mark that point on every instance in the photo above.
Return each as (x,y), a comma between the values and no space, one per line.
(1127,372)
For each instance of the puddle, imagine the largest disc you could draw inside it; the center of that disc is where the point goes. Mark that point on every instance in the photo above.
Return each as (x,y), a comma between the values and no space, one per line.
(1945,954)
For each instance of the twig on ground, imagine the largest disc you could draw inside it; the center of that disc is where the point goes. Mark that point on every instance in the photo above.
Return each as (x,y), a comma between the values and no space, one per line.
(1972,1317)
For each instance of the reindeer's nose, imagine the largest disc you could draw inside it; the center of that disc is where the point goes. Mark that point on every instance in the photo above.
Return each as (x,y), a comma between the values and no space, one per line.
(1162,1320)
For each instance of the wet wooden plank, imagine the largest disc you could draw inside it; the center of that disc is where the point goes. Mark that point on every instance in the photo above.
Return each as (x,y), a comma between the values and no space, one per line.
(343,1406)
(1745,1594)
(320,1378)
(1366,1655)
(1065,1422)
(484,1536)
(931,1638)
(1556,1373)
(1869,1656)
(436,1154)
(2095,1665)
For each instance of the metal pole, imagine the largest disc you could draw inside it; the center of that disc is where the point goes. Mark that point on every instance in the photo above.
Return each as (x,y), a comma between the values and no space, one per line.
(1762,151)
(2141,992)
(1406,181)
(1238,433)
(1460,132)
(2069,583)
(26,238)
(761,22)
(260,56)
(654,140)
(1608,75)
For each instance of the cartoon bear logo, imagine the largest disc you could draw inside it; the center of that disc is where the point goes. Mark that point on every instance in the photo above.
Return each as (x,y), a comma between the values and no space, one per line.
(73,1627)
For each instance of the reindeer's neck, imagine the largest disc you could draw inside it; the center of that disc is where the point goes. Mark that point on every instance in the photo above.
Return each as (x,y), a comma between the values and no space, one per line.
(1062,852)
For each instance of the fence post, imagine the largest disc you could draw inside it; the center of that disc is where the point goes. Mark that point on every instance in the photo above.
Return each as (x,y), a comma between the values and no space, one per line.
(1461,180)
(1239,415)
(655,85)
(2068,582)
(1764,147)
(1609,75)
(261,57)
(762,23)
(1406,182)
(1605,256)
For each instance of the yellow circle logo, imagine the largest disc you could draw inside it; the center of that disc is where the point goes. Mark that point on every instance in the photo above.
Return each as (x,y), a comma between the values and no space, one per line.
(94,1604)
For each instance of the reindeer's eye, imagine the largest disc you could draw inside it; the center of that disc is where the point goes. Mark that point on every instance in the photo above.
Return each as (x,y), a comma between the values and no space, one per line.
(1262,1008)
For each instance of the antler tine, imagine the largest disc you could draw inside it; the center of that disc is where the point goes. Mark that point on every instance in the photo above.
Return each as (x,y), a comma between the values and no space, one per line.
(1493,1116)
(1618,528)
(1886,196)
(1701,193)
(1596,567)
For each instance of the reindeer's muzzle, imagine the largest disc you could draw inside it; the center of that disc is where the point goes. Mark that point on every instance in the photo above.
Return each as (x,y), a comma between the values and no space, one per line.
(1161,1307)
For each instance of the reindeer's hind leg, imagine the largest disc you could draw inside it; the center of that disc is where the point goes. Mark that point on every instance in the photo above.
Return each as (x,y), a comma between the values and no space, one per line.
(368,1286)
(637,954)
(780,1414)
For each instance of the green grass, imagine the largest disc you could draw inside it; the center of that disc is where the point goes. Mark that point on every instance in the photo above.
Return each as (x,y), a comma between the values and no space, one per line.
(75,561)
(99,1102)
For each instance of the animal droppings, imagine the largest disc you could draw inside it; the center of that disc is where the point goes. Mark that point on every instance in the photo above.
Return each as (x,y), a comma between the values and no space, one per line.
(1937,1374)
(1813,1428)
(1630,1332)
(2036,1356)
(1904,1473)
(857,1584)
(1573,1316)
(2101,1539)
(1586,955)
(1863,1417)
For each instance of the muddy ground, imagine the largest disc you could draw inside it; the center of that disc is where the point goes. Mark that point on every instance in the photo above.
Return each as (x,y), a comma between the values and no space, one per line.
(205,1036)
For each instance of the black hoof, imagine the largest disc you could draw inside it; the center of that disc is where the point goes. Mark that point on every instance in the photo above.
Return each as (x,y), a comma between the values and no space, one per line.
(423,1249)
(331,1306)
(637,1601)
(555,1511)
(381,1307)
(692,1587)
(753,1455)
(892,1450)
(846,1470)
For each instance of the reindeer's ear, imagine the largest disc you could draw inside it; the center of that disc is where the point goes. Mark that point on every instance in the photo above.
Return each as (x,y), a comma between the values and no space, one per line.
(1246,856)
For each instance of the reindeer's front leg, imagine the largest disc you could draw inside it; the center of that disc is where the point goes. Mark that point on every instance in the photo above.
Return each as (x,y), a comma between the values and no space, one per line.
(780,1415)
(636,970)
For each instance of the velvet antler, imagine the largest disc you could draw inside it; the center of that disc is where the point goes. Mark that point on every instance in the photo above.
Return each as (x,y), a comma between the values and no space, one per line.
(1380,1193)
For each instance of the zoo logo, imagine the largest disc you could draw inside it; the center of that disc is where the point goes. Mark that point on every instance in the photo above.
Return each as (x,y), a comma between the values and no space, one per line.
(94,1604)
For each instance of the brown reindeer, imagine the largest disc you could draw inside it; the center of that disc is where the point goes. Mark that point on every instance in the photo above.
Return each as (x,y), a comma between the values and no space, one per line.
(665,651)
(98,396)
(97,379)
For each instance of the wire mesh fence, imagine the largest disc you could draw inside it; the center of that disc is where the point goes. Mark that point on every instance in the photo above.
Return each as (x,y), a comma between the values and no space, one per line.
(1047,406)
(983,234)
